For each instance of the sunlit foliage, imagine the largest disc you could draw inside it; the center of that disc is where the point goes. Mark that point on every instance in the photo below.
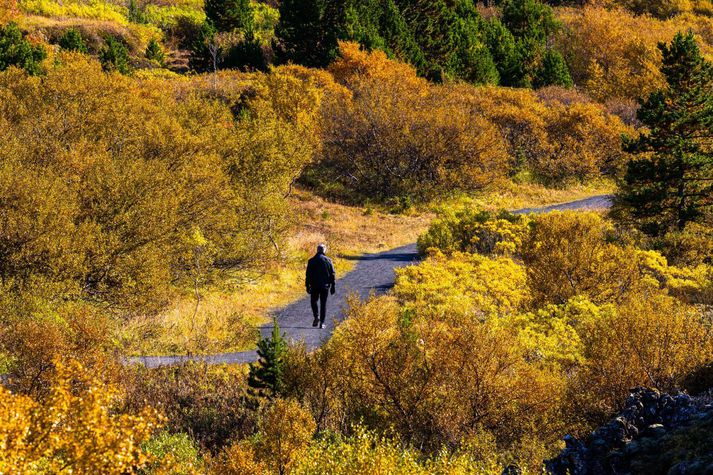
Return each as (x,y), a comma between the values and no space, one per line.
(463,286)
(73,429)
(613,53)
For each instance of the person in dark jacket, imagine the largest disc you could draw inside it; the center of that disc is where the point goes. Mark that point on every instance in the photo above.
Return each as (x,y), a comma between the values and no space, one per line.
(319,282)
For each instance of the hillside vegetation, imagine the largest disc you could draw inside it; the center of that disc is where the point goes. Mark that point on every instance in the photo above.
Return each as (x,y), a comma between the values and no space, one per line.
(166,166)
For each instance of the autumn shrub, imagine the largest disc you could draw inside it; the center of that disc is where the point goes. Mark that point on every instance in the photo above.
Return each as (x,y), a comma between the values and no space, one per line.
(691,247)
(237,459)
(468,229)
(463,286)
(397,136)
(177,451)
(436,382)
(570,253)
(141,197)
(613,53)
(285,430)
(365,452)
(74,427)
(33,335)
(650,339)
(95,9)
(558,138)
(209,404)
(664,8)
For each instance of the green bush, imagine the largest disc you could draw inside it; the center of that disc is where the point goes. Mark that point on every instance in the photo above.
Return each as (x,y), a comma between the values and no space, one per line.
(15,50)
(154,52)
(114,56)
(180,448)
(72,40)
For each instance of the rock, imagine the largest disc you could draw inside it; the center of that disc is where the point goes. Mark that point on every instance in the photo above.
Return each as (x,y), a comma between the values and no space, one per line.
(654,430)
(648,417)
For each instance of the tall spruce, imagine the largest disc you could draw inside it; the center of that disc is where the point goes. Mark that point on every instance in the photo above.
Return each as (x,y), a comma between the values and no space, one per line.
(230,15)
(266,375)
(669,182)
(532,23)
(307,32)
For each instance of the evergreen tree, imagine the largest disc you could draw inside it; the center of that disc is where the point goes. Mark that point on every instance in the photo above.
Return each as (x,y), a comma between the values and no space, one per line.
(670,182)
(72,40)
(154,52)
(15,50)
(230,15)
(307,31)
(553,71)
(114,56)
(398,36)
(247,54)
(531,23)
(529,19)
(266,375)
(501,44)
(205,54)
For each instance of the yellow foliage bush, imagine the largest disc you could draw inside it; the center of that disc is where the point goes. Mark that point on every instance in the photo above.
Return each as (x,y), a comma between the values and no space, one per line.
(468,229)
(650,339)
(73,429)
(463,286)
(556,140)
(131,171)
(94,9)
(398,136)
(285,430)
(365,453)
(568,254)
(436,382)
(613,53)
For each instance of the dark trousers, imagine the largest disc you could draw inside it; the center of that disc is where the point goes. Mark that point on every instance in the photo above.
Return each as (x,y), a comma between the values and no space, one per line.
(321,295)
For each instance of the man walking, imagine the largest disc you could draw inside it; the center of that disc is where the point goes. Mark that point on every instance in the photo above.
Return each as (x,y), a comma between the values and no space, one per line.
(319,281)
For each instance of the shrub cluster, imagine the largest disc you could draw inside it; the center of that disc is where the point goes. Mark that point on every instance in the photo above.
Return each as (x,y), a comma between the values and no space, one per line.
(393,134)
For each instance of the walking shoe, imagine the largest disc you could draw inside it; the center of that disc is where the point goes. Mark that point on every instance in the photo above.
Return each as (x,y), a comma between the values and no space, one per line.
(315,322)
(321,325)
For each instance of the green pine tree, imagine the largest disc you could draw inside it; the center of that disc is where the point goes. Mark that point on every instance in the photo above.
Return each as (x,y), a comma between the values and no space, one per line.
(154,52)
(531,23)
(501,44)
(205,53)
(553,71)
(267,374)
(114,56)
(670,181)
(307,31)
(72,40)
(15,50)
(230,15)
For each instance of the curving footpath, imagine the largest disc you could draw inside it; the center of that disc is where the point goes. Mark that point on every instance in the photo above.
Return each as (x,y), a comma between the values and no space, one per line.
(373,273)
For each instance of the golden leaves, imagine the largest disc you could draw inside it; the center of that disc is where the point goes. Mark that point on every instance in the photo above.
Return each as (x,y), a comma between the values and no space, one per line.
(74,429)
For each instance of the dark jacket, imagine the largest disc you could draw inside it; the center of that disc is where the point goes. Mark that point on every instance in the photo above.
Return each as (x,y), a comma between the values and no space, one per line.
(320,272)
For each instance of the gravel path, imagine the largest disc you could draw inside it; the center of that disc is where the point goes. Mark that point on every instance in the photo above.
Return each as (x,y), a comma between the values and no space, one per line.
(372,273)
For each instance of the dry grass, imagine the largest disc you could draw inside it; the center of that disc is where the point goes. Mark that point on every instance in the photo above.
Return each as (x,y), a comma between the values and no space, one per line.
(507,195)
(228,314)
(50,29)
